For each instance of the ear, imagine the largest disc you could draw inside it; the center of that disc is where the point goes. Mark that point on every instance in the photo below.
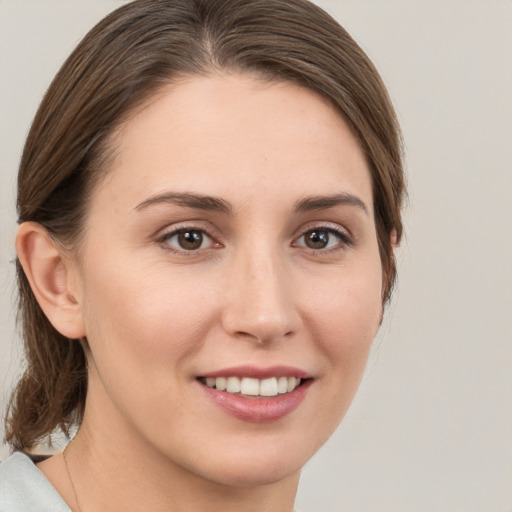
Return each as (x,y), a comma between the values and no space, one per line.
(394,240)
(52,277)
(386,275)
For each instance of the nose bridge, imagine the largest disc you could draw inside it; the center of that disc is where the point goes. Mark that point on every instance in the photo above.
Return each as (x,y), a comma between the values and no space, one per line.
(260,299)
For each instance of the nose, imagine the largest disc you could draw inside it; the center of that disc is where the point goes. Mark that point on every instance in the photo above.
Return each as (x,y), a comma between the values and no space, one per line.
(260,300)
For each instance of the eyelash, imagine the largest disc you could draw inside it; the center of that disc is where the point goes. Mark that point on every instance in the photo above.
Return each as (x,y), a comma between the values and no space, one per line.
(344,240)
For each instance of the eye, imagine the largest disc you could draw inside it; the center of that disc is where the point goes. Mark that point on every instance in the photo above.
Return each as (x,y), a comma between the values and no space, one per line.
(322,238)
(186,239)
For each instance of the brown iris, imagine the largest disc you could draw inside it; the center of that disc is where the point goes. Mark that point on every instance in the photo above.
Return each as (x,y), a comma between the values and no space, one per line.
(190,239)
(316,239)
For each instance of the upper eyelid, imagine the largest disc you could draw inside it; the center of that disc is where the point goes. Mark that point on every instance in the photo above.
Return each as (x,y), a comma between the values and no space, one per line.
(215,235)
(165,234)
(328,226)
(180,226)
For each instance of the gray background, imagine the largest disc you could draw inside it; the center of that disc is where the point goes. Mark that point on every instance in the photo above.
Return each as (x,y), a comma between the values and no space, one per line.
(431,427)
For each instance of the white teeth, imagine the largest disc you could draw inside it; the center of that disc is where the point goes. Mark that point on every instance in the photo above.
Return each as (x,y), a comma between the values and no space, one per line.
(250,386)
(254,387)
(268,387)
(233,385)
(282,385)
(220,383)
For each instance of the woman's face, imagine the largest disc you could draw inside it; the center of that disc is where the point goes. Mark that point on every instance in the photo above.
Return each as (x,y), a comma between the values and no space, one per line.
(232,243)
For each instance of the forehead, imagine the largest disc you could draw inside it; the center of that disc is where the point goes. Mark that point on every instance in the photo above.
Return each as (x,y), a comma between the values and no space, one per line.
(238,136)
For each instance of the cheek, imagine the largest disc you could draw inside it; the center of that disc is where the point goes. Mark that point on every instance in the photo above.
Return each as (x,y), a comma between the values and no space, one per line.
(144,321)
(345,313)
(348,305)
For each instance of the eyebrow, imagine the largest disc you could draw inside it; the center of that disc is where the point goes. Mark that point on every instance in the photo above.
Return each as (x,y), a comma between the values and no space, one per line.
(215,204)
(196,201)
(325,202)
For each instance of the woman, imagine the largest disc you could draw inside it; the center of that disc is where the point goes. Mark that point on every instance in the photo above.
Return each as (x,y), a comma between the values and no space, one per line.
(208,200)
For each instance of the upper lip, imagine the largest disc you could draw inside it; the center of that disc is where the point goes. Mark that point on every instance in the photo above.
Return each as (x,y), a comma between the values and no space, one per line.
(258,372)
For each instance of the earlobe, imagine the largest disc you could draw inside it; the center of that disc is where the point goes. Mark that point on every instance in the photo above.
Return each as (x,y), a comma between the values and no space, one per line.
(49,273)
(394,240)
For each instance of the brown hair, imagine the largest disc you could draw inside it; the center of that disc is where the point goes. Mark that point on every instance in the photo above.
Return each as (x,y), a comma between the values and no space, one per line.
(122,61)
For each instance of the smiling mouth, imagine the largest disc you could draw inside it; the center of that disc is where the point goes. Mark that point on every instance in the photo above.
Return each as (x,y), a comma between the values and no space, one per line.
(252,387)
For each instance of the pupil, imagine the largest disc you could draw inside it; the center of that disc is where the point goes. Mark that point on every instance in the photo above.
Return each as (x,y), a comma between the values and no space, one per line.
(317,239)
(190,239)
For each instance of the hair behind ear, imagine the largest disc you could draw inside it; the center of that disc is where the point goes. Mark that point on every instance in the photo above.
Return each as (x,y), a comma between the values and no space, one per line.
(51,393)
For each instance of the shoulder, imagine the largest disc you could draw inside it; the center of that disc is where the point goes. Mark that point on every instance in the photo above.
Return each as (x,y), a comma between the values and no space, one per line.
(24,488)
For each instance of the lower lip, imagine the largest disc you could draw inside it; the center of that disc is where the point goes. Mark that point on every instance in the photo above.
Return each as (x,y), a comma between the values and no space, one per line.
(258,410)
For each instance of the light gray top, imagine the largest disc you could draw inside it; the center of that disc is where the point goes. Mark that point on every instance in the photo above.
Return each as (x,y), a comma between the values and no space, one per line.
(23,488)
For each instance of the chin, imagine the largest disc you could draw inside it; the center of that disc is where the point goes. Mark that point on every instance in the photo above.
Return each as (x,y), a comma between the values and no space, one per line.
(255,473)
(264,462)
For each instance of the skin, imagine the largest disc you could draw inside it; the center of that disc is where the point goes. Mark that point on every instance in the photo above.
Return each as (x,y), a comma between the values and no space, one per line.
(157,316)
